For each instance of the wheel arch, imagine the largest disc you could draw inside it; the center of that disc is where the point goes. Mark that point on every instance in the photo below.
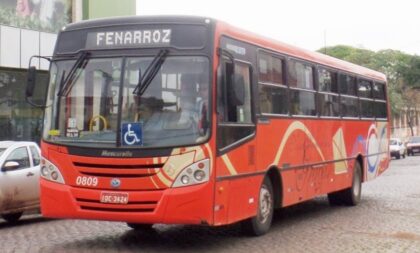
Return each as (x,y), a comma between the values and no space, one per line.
(273,173)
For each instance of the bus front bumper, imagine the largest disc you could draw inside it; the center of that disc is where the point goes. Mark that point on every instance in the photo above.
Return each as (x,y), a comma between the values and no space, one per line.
(184,205)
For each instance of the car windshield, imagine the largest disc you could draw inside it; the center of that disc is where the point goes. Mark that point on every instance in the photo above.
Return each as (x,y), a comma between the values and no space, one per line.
(393,142)
(100,108)
(415,139)
(2,150)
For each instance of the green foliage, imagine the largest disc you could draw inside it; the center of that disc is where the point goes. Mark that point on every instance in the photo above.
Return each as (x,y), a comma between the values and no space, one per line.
(402,70)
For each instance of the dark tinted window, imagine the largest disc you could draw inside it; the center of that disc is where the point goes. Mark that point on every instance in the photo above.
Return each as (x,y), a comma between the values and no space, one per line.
(364,88)
(380,110)
(327,81)
(366,108)
(328,105)
(349,106)
(270,69)
(300,75)
(273,99)
(379,91)
(347,85)
(302,102)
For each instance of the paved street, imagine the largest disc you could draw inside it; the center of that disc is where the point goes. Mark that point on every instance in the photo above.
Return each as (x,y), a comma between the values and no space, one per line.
(387,220)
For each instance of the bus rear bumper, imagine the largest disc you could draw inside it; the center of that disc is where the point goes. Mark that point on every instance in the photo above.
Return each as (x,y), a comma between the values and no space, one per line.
(186,205)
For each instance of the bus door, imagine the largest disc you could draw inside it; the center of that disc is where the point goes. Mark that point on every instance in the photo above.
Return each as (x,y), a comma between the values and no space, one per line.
(235,143)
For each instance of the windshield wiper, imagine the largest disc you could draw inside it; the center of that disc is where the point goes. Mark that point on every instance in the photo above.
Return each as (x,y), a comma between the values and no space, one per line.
(150,73)
(67,83)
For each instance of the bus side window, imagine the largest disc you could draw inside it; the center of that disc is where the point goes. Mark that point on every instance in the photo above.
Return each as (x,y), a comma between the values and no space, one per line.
(234,104)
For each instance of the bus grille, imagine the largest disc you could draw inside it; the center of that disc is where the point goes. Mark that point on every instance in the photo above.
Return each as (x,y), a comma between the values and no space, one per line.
(120,171)
(131,206)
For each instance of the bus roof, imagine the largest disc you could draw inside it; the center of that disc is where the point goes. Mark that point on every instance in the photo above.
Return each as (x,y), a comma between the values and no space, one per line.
(134,20)
(293,51)
(237,33)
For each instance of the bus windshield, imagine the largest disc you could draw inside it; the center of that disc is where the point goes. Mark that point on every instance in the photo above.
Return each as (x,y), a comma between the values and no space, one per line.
(99,107)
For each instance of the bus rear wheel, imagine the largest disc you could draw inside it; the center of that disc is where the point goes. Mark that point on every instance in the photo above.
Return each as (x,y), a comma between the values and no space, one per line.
(261,223)
(140,226)
(350,196)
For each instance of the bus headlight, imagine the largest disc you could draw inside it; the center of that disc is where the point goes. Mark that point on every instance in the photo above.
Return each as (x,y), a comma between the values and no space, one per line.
(196,173)
(50,172)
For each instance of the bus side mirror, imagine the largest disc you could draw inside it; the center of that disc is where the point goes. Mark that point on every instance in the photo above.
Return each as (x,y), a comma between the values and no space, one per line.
(237,90)
(31,81)
(30,85)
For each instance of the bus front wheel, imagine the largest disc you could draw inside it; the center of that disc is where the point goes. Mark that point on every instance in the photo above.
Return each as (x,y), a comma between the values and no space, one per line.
(261,223)
(350,196)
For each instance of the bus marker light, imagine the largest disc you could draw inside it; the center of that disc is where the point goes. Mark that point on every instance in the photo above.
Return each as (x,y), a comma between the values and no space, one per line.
(199,175)
(54,175)
(185,179)
(44,171)
(218,207)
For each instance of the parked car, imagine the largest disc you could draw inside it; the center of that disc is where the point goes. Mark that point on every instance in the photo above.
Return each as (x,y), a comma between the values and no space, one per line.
(413,145)
(397,148)
(19,178)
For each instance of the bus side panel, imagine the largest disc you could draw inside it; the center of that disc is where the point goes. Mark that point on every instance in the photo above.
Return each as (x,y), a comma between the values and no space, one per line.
(237,190)
(317,156)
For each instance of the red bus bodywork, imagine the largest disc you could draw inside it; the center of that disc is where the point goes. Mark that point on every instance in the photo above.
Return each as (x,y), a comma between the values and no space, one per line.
(312,156)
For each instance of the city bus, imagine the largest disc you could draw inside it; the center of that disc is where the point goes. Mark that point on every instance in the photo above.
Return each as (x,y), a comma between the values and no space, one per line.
(189,120)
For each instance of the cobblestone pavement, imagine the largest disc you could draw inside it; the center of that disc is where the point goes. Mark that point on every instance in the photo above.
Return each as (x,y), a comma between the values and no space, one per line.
(387,220)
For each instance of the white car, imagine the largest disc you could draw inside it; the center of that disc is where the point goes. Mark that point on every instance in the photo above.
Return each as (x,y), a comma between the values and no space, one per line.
(19,178)
(397,148)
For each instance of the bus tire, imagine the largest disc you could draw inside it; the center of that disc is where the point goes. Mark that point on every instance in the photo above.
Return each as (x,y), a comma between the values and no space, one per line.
(140,226)
(12,217)
(261,223)
(349,196)
(352,195)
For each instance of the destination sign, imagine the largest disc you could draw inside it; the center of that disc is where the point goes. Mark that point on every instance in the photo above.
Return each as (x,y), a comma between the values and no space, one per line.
(130,38)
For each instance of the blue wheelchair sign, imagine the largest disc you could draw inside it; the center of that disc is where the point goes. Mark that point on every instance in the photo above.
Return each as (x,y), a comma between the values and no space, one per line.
(132,134)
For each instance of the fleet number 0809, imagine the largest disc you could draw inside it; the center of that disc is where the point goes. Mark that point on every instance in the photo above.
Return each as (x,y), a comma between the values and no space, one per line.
(87,181)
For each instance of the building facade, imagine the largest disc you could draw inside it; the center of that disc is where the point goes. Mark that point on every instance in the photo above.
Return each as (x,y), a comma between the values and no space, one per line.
(27,28)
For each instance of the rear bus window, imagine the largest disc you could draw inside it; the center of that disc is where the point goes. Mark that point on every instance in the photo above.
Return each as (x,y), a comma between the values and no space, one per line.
(379,91)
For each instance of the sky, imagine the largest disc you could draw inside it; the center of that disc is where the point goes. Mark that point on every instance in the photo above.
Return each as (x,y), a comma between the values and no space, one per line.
(368,24)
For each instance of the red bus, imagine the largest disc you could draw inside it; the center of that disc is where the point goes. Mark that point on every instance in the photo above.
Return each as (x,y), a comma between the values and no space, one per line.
(190,120)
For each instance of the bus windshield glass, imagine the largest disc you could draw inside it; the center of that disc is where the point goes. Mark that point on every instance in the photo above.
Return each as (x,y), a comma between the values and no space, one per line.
(100,107)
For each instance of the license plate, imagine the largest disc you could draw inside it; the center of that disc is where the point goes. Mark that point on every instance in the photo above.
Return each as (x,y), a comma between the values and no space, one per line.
(114,197)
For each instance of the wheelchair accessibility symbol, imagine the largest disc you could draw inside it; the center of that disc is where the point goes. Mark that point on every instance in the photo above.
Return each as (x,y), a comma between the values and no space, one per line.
(132,134)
